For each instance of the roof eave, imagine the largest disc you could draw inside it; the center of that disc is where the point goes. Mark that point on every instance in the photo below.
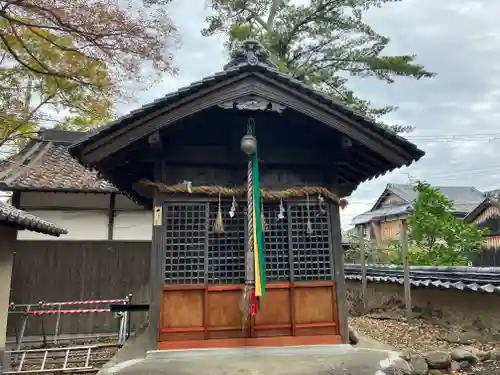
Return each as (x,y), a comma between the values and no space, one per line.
(477,210)
(411,151)
(22,220)
(18,188)
(382,218)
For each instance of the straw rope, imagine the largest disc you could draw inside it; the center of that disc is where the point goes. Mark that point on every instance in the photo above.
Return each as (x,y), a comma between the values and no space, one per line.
(249,266)
(266,194)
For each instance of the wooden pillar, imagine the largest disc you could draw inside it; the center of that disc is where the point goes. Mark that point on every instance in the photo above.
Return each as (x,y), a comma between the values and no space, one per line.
(16,199)
(362,260)
(111,215)
(157,260)
(406,263)
(338,272)
(7,246)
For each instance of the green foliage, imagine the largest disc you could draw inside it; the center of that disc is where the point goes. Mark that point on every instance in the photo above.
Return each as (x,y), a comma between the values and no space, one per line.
(436,236)
(375,252)
(64,65)
(30,100)
(322,43)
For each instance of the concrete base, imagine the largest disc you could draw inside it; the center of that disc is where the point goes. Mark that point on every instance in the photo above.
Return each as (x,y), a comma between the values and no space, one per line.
(366,342)
(134,349)
(300,360)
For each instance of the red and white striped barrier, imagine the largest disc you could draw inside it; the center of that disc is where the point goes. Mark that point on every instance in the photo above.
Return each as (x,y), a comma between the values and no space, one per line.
(67,312)
(55,308)
(89,302)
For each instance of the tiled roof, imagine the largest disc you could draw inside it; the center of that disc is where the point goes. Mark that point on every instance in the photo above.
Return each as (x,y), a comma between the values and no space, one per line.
(45,164)
(467,279)
(262,67)
(23,220)
(465,198)
(492,193)
(384,213)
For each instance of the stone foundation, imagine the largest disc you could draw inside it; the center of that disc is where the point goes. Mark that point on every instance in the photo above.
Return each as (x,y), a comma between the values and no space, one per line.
(478,311)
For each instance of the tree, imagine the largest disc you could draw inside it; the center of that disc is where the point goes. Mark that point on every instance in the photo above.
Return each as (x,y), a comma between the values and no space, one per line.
(65,63)
(321,44)
(117,34)
(30,100)
(436,236)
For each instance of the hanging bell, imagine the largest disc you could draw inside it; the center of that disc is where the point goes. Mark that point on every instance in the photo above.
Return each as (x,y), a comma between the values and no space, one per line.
(248,144)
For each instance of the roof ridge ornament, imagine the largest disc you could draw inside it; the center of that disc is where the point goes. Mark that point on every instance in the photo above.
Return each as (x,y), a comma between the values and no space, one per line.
(249,52)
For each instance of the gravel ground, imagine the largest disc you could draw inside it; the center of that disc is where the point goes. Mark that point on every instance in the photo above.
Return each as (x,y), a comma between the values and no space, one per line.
(420,337)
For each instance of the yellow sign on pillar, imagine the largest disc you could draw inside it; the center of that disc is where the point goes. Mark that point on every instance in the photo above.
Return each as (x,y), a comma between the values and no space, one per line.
(157,216)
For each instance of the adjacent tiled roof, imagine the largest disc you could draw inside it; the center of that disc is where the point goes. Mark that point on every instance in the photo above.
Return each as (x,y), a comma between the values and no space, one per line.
(382,214)
(45,164)
(470,279)
(23,220)
(465,199)
(492,193)
(491,197)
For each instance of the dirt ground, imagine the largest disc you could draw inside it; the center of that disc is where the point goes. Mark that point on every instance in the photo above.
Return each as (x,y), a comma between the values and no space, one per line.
(421,337)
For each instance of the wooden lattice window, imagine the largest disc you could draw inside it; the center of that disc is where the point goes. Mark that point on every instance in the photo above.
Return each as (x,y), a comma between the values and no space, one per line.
(195,254)
(226,251)
(186,241)
(276,244)
(311,256)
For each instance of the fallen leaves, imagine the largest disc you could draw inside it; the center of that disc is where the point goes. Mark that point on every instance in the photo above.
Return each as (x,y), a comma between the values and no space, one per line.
(420,337)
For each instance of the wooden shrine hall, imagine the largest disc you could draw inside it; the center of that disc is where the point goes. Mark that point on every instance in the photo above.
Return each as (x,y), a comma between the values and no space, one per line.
(245,173)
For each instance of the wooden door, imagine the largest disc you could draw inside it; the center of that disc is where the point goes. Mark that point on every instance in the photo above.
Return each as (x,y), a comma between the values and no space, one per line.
(204,273)
(196,316)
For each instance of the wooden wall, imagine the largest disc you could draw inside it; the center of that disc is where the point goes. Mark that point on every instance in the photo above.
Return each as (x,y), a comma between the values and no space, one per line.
(390,230)
(391,200)
(79,270)
(299,313)
(489,255)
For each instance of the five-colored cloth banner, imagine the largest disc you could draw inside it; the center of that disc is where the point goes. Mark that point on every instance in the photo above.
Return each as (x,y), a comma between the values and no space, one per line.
(258,243)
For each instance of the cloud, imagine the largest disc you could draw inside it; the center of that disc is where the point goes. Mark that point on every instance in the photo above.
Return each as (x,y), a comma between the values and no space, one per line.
(458,39)
(462,99)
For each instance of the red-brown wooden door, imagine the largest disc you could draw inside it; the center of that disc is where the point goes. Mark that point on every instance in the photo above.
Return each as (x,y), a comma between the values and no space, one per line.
(209,316)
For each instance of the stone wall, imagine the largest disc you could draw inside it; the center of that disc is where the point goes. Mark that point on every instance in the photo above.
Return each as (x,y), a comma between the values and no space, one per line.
(478,311)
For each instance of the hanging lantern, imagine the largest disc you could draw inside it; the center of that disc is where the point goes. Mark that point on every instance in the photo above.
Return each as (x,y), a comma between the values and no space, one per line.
(248,144)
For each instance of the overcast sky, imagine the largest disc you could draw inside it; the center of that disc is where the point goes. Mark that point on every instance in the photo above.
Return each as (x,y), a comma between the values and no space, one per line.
(455,114)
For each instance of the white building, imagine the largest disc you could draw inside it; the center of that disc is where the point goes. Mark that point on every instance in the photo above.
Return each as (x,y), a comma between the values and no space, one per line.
(106,251)
(48,182)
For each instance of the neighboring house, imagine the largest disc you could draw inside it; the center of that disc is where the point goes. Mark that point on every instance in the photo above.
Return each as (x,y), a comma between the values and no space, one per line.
(107,246)
(346,238)
(487,215)
(395,203)
(12,220)
(48,182)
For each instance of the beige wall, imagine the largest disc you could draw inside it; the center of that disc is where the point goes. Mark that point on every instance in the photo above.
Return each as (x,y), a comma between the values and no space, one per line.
(7,243)
(449,307)
(390,230)
(85,217)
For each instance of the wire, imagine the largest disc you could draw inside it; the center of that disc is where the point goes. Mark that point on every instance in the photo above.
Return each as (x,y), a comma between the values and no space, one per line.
(467,171)
(450,138)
